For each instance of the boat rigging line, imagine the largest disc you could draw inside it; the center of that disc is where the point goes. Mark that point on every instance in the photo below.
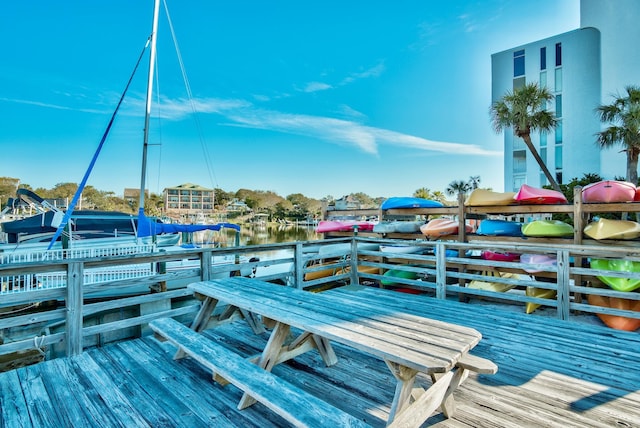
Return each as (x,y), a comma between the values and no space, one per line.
(76,197)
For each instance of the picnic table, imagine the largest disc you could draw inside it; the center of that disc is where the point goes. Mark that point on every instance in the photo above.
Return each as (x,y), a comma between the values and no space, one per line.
(409,344)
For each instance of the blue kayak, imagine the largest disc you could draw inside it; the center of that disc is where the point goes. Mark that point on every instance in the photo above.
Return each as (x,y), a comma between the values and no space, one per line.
(500,228)
(409,202)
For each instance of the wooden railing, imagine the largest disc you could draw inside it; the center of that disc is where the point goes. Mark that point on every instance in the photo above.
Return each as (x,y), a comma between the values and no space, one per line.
(69,318)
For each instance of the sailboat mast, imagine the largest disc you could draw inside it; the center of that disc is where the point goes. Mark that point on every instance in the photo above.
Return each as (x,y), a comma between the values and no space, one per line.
(147,115)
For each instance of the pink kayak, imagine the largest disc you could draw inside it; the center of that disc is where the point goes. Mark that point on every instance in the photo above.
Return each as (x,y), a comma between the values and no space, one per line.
(608,191)
(534,195)
(343,226)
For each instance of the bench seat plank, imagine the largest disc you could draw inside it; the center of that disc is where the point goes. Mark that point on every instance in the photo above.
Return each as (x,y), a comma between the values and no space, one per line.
(292,403)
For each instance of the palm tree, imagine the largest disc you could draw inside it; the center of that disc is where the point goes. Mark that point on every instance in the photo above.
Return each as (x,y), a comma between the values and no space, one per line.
(457,186)
(474,182)
(624,116)
(524,109)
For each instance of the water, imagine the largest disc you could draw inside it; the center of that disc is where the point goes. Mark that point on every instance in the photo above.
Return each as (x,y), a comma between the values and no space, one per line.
(256,235)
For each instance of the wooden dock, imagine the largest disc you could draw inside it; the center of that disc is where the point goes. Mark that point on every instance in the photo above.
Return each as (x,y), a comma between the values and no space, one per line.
(552,373)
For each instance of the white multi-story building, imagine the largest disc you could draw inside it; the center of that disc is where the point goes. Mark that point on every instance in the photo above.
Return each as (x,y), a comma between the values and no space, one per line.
(583,69)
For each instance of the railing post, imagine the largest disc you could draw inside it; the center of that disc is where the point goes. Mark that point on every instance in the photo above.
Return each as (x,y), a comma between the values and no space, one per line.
(298,265)
(205,265)
(353,277)
(563,284)
(441,271)
(74,320)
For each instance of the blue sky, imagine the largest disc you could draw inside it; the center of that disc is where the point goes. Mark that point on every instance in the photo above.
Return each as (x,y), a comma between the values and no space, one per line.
(320,98)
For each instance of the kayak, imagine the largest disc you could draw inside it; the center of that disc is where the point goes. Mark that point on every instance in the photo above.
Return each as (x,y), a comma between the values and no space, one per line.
(608,191)
(605,228)
(539,260)
(616,321)
(343,226)
(409,202)
(533,195)
(489,285)
(542,293)
(484,197)
(392,274)
(618,284)
(500,256)
(547,228)
(491,227)
(441,227)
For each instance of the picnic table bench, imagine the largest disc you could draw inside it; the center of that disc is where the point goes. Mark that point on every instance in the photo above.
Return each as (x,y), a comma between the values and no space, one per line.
(408,344)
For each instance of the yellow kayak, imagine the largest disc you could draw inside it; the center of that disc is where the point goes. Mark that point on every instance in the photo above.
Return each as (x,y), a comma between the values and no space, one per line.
(541,293)
(605,228)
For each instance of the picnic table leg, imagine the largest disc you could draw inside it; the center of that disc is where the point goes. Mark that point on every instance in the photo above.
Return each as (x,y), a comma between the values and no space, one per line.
(202,317)
(448,404)
(269,356)
(200,321)
(406,413)
(406,378)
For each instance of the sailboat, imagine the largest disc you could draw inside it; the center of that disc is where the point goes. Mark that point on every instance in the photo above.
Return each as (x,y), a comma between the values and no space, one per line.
(55,230)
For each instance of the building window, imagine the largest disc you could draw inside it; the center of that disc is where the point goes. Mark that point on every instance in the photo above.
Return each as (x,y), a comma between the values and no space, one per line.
(558,80)
(558,106)
(558,54)
(543,79)
(520,161)
(518,82)
(518,181)
(558,157)
(559,133)
(559,177)
(518,63)
(543,179)
(543,139)
(543,58)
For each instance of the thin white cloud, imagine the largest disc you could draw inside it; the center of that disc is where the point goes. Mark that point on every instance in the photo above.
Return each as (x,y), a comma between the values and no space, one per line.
(374,71)
(316,86)
(48,105)
(178,109)
(346,132)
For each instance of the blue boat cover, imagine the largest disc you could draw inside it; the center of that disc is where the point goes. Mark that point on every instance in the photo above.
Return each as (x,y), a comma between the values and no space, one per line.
(147,227)
(409,202)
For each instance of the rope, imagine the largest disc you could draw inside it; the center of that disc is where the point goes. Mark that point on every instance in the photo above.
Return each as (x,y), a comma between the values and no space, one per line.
(74,201)
(39,347)
(205,150)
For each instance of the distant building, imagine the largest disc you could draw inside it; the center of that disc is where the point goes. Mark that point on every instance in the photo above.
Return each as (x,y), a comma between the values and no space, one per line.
(132,196)
(237,205)
(188,199)
(582,69)
(348,202)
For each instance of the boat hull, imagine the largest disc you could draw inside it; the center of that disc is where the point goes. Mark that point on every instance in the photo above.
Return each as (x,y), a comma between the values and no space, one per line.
(484,197)
(616,321)
(547,228)
(500,256)
(343,226)
(409,202)
(489,285)
(609,191)
(541,293)
(439,227)
(612,229)
(618,284)
(529,195)
(499,228)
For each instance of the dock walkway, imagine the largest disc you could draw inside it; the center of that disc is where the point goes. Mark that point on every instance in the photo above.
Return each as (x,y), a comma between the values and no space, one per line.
(551,373)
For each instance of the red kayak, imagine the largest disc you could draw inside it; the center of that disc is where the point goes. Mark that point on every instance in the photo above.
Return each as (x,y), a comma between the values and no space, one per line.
(533,195)
(500,256)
